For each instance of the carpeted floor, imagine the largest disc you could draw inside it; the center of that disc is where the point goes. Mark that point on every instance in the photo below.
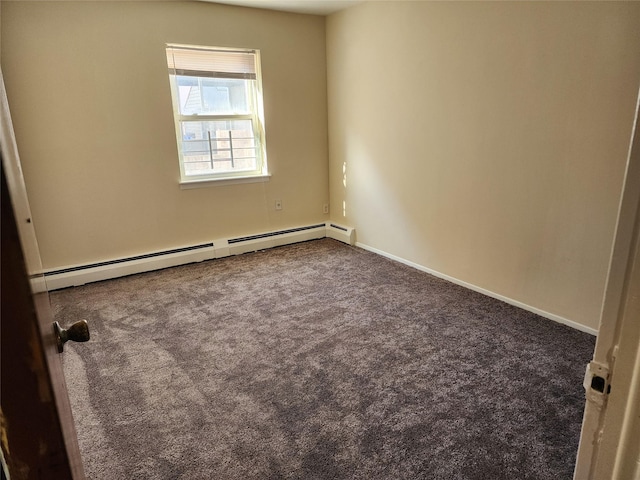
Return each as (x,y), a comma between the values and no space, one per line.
(318,361)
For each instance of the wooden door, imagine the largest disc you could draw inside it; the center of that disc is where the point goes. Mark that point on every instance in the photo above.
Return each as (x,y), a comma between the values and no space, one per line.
(38,435)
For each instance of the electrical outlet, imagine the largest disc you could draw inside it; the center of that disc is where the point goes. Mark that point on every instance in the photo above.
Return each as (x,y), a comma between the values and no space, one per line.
(278,204)
(325,208)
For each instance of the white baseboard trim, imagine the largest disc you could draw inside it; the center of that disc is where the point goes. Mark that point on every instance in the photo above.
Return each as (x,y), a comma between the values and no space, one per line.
(75,275)
(524,306)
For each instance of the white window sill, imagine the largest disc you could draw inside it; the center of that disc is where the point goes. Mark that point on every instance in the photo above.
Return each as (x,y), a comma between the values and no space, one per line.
(216,182)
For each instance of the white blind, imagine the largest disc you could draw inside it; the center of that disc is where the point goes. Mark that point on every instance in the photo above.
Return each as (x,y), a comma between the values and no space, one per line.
(202,62)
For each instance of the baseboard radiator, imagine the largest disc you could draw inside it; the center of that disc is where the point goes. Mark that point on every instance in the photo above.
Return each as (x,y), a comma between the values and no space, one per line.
(223,247)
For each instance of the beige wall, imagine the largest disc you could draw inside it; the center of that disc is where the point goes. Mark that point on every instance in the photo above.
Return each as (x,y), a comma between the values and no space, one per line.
(89,92)
(486,141)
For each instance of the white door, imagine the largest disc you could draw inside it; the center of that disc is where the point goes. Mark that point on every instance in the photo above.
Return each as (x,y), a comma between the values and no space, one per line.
(610,440)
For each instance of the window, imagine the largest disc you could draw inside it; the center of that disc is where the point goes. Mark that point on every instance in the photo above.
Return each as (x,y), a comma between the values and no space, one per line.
(217,107)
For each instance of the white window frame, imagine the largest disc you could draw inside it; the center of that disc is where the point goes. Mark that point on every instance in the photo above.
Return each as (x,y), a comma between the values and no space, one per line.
(256,116)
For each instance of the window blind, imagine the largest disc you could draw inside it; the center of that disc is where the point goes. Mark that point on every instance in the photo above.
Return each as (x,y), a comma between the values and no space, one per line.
(199,62)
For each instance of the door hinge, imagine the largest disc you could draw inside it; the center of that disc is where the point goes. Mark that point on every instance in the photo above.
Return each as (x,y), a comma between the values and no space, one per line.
(596,382)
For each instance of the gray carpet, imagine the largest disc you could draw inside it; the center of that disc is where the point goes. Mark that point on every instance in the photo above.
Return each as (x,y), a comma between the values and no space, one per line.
(318,361)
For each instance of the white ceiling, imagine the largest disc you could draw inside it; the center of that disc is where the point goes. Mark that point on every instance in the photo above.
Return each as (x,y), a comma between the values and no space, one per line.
(315,7)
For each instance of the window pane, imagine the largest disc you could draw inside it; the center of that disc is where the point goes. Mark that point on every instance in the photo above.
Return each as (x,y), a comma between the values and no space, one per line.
(213,96)
(218,146)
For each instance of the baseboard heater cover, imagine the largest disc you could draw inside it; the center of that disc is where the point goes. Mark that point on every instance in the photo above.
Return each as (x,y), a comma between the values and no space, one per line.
(262,241)
(129,259)
(343,234)
(93,272)
(120,267)
(273,234)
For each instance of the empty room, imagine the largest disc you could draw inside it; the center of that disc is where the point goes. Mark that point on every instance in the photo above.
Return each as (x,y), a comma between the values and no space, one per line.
(323,239)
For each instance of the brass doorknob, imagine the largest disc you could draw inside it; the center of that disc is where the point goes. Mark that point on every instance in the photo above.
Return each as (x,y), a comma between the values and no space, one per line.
(78,332)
